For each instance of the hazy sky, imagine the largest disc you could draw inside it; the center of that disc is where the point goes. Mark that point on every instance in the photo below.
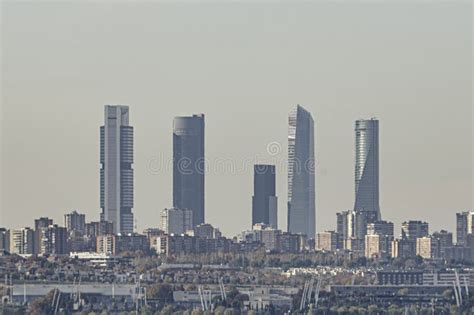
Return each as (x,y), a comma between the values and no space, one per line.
(244,65)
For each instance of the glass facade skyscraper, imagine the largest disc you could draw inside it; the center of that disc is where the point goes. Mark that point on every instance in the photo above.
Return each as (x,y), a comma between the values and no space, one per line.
(116,171)
(301,173)
(367,168)
(189,165)
(264,201)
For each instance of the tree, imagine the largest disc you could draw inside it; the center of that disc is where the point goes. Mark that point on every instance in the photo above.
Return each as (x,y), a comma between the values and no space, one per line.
(448,294)
(42,305)
(403,292)
(229,311)
(373,309)
(168,310)
(162,292)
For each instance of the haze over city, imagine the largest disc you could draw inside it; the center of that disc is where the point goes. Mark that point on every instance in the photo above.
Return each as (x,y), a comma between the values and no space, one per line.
(392,61)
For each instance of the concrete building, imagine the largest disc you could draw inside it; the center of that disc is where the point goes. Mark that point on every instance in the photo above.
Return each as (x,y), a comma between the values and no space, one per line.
(378,246)
(106,244)
(206,231)
(380,228)
(41,223)
(116,169)
(157,243)
(352,226)
(341,224)
(372,246)
(188,165)
(264,234)
(327,241)
(415,229)
(176,221)
(424,247)
(53,240)
(367,169)
(75,221)
(185,244)
(270,238)
(261,298)
(97,228)
(131,243)
(426,279)
(4,240)
(22,241)
(264,200)
(106,293)
(289,243)
(301,173)
(464,226)
(444,240)
(399,278)
(403,248)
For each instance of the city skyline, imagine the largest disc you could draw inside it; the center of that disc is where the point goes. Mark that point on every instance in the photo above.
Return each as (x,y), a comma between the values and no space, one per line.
(414,76)
(236,157)
(194,126)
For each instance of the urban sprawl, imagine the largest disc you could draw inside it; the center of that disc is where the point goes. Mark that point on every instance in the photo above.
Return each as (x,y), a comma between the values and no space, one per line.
(186,266)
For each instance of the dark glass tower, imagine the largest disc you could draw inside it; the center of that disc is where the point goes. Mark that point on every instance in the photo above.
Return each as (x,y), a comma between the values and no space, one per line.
(301,173)
(116,171)
(264,201)
(189,165)
(367,168)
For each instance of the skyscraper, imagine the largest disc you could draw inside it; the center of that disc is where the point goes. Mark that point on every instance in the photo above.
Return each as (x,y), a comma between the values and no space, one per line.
(264,201)
(301,173)
(116,171)
(367,168)
(189,165)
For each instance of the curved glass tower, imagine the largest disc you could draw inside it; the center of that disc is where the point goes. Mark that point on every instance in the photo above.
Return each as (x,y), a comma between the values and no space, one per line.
(367,168)
(301,173)
(116,171)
